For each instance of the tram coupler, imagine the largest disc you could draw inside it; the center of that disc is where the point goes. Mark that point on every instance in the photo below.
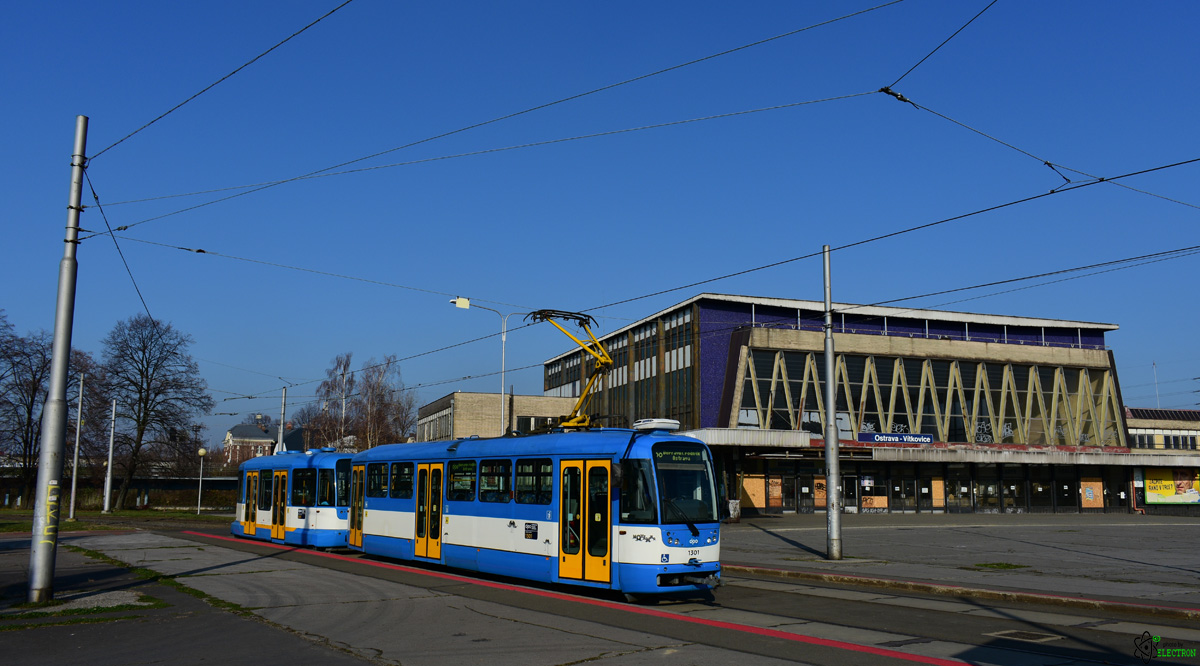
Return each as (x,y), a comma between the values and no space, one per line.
(709,580)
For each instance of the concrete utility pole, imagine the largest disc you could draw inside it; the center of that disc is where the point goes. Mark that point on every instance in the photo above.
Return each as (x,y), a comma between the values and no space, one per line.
(44,540)
(833,468)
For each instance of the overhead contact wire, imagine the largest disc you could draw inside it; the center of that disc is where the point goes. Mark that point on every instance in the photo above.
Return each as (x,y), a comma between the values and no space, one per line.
(939,46)
(218,81)
(900,232)
(121,254)
(548,104)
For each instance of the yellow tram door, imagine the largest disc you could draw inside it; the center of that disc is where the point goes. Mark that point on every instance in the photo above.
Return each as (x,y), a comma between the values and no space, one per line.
(428,538)
(250,506)
(585,522)
(357,499)
(279,505)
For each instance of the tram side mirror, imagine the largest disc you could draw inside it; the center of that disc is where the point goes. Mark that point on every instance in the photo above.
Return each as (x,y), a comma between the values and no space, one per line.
(618,476)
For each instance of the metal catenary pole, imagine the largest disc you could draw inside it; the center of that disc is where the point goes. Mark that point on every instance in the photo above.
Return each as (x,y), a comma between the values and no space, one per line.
(44,540)
(282,412)
(200,486)
(112,433)
(833,472)
(75,460)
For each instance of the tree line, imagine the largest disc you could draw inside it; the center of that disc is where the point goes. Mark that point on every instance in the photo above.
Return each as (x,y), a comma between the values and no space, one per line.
(359,410)
(144,365)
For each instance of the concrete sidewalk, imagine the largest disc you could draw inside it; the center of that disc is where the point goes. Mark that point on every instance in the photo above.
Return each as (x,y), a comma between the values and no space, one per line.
(109,615)
(1150,563)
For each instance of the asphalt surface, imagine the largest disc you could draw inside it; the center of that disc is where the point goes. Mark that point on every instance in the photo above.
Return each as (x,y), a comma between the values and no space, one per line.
(269,608)
(1151,563)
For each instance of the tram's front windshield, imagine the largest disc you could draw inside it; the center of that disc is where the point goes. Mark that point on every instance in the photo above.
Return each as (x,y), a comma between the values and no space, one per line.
(685,483)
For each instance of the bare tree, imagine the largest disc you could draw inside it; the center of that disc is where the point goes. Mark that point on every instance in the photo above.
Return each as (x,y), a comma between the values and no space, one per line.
(178,454)
(7,339)
(26,378)
(93,431)
(368,407)
(314,421)
(25,363)
(260,419)
(336,394)
(157,386)
(384,411)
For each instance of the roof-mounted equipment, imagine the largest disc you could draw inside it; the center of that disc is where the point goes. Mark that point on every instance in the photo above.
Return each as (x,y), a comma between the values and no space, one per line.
(578,417)
(668,425)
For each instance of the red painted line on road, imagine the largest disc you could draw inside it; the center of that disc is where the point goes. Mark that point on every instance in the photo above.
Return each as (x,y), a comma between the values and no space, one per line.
(744,628)
(784,573)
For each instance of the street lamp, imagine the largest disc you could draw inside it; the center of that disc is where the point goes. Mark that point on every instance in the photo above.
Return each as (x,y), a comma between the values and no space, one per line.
(200,491)
(465,303)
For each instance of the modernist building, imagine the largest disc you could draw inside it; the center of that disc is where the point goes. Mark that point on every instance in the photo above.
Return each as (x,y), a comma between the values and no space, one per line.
(936,411)
(465,414)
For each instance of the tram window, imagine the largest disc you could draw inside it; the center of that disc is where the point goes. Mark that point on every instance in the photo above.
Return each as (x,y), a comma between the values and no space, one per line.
(377,480)
(265,480)
(637,492)
(461,485)
(535,481)
(326,490)
(242,488)
(402,480)
(304,487)
(597,519)
(495,481)
(343,482)
(572,491)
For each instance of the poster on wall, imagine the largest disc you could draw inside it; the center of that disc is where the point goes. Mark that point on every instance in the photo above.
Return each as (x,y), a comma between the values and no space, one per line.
(1172,485)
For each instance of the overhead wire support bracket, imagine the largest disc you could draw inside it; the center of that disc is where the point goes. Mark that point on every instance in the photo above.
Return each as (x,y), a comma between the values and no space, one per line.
(1053,168)
(578,417)
(888,91)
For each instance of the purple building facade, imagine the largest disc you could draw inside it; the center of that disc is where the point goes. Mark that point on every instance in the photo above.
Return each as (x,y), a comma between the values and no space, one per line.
(936,411)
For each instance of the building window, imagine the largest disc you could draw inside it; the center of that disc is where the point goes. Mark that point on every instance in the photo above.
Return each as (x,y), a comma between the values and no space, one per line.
(528,424)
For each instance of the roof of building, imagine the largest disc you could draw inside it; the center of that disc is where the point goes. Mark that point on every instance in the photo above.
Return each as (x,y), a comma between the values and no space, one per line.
(1151,414)
(293,439)
(865,311)
(250,431)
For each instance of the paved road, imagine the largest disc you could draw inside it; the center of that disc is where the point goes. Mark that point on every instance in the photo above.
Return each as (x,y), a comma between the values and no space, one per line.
(1146,560)
(286,605)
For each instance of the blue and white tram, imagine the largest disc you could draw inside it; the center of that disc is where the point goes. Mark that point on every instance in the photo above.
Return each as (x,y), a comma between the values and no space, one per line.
(298,498)
(629,510)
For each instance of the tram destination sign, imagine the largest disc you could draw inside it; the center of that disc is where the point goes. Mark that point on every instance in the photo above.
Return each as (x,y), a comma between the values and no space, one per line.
(894,438)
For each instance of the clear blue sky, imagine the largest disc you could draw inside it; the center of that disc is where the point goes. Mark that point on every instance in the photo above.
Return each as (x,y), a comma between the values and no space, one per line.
(1106,88)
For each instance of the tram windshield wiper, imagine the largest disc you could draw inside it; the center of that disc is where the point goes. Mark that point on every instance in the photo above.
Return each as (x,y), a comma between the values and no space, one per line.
(691,526)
